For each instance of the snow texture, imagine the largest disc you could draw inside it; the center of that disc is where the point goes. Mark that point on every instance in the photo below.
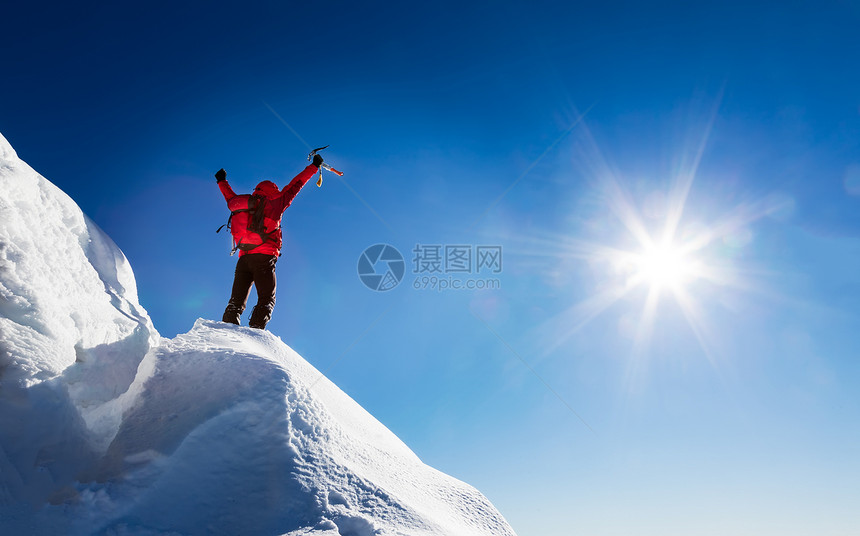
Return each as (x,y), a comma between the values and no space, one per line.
(107,428)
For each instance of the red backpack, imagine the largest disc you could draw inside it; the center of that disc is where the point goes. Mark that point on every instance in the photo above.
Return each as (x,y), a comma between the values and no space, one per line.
(248,223)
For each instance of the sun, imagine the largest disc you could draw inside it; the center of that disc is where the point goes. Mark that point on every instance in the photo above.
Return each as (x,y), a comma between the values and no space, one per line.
(665,266)
(651,255)
(648,266)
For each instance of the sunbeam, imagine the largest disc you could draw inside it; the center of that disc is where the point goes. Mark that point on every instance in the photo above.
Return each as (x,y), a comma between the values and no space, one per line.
(649,267)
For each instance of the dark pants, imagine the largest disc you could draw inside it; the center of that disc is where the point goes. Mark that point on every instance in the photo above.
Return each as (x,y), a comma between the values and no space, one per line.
(258,269)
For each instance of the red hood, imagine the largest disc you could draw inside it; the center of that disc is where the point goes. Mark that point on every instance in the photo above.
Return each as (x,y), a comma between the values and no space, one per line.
(268,189)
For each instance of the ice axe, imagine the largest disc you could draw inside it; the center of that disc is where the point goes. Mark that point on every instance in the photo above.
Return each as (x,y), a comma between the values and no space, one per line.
(324,165)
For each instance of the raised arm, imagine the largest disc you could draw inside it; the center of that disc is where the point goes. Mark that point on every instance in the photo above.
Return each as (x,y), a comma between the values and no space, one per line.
(221,177)
(292,189)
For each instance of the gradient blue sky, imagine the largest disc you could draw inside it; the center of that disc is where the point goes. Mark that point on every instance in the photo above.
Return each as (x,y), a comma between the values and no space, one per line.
(459,123)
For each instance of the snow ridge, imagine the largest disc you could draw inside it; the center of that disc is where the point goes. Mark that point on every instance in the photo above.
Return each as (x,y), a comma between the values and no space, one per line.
(72,335)
(106,428)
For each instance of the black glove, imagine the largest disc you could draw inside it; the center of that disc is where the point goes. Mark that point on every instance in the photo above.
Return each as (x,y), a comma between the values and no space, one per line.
(221,175)
(317,160)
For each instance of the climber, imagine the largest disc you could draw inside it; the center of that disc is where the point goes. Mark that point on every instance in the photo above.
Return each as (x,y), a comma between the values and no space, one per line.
(255,223)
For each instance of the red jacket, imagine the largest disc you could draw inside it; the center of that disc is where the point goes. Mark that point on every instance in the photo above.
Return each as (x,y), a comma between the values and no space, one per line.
(276,203)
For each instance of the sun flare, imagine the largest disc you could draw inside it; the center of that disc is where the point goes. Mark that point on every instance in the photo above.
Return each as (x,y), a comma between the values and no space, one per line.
(654,256)
(665,266)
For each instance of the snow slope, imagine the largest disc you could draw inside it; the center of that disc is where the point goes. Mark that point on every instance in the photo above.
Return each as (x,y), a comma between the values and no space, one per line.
(106,428)
(72,335)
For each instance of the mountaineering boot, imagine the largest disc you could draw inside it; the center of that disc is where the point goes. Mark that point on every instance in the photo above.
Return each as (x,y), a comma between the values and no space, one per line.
(232,314)
(260,317)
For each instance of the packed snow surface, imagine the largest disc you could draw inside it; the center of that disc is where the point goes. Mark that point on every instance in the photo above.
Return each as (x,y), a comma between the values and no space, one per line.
(107,428)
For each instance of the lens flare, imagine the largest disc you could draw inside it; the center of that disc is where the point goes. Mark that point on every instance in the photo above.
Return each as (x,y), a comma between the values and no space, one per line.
(650,253)
(665,266)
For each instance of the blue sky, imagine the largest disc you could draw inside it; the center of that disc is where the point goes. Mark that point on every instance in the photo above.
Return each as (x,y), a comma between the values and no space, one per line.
(539,128)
